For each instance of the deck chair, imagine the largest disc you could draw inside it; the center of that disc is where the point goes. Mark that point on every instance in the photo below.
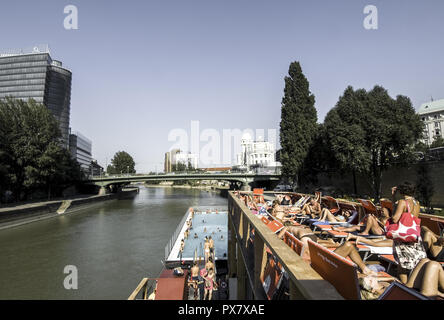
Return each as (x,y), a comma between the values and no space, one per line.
(293,242)
(431,223)
(369,206)
(275,226)
(258,195)
(385,203)
(332,204)
(340,272)
(398,291)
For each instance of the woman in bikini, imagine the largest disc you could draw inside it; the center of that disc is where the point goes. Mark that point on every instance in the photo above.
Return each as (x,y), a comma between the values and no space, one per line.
(210,284)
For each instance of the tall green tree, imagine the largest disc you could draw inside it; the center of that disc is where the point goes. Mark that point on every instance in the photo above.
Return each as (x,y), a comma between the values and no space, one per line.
(32,153)
(122,162)
(298,123)
(370,132)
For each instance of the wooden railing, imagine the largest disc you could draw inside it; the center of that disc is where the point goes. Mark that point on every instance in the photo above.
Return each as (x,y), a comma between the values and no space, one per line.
(247,259)
(142,287)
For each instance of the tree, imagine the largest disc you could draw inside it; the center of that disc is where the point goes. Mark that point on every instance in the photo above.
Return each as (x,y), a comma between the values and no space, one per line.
(31,150)
(437,142)
(122,162)
(298,123)
(369,132)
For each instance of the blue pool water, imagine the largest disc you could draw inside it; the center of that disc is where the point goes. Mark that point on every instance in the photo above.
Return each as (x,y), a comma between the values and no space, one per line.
(206,225)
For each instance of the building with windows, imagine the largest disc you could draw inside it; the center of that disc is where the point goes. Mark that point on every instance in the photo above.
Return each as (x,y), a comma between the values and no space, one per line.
(432,115)
(32,74)
(256,153)
(80,148)
(175,156)
(188,159)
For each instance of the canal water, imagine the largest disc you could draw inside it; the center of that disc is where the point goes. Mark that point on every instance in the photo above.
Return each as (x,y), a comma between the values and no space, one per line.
(112,244)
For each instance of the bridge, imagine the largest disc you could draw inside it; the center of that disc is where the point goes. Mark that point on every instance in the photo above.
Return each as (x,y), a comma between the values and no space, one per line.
(242,180)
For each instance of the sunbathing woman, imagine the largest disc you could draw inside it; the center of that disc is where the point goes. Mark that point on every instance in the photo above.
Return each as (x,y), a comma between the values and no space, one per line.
(433,244)
(326,215)
(312,208)
(277,211)
(372,225)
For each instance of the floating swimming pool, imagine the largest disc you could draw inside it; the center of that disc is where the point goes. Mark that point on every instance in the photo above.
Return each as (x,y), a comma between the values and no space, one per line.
(204,224)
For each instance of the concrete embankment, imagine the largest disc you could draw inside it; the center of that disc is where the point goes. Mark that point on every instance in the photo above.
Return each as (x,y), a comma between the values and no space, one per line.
(27,213)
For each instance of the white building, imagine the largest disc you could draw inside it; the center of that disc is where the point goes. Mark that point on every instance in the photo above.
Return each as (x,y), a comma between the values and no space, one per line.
(432,114)
(259,152)
(187,158)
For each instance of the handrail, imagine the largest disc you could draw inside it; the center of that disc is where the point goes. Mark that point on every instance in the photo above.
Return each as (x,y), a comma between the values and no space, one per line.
(142,285)
(175,235)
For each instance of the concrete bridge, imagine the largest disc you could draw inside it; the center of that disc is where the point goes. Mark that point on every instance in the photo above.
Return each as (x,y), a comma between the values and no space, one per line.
(238,180)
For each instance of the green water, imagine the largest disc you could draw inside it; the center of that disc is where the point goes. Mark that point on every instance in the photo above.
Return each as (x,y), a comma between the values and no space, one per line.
(112,244)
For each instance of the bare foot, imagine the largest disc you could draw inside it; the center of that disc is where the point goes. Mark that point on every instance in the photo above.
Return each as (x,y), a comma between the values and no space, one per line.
(350,237)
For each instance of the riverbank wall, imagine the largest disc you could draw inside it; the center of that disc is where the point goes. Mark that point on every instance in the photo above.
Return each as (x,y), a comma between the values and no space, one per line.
(27,213)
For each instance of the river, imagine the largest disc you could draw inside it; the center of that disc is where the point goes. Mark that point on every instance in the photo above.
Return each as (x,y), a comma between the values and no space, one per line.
(112,244)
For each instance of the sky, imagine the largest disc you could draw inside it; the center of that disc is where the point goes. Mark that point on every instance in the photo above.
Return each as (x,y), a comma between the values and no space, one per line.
(144,68)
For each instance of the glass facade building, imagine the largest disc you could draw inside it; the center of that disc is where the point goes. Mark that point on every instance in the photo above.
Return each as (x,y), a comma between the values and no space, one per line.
(26,74)
(80,148)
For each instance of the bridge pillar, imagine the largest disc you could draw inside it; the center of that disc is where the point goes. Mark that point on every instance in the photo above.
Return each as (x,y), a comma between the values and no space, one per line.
(103,191)
(246,187)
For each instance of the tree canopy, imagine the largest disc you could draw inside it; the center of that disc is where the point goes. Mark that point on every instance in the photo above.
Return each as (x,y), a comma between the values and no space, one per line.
(122,162)
(369,131)
(32,156)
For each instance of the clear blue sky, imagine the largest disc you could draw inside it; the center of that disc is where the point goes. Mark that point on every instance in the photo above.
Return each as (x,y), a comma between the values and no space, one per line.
(142,68)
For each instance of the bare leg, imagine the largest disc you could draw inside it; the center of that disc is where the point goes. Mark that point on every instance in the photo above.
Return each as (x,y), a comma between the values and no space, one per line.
(431,242)
(349,250)
(349,229)
(373,226)
(428,277)
(374,243)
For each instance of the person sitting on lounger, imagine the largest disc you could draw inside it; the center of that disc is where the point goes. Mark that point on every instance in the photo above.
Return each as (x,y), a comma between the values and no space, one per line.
(312,208)
(277,211)
(286,201)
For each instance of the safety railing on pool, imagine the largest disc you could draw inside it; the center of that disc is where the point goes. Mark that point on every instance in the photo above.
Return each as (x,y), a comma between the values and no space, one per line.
(175,235)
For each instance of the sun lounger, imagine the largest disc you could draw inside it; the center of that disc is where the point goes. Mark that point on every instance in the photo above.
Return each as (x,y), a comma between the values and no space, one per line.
(340,272)
(387,204)
(368,206)
(332,204)
(275,226)
(398,291)
(293,242)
